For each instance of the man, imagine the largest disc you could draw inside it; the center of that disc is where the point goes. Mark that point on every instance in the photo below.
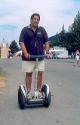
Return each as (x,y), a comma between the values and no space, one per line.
(33,40)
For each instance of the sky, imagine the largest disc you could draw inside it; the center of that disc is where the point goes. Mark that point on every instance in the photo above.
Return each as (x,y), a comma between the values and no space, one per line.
(15,14)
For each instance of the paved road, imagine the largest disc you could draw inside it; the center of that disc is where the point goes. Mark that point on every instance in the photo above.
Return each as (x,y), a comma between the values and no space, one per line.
(63,77)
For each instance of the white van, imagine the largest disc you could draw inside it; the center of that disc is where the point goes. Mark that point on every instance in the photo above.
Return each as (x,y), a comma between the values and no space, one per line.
(59,52)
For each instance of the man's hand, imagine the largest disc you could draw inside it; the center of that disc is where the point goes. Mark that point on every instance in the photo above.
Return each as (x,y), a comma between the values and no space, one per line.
(24,50)
(27,56)
(48,56)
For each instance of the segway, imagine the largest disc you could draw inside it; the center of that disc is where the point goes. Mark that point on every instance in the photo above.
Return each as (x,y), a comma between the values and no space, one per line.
(35,100)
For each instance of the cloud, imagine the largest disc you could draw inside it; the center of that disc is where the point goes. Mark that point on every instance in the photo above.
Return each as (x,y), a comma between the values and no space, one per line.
(54,13)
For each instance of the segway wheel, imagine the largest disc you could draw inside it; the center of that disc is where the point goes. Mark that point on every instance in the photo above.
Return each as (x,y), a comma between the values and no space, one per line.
(21,98)
(47,100)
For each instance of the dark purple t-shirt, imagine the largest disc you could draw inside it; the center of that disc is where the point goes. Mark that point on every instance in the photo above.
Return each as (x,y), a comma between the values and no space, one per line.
(33,41)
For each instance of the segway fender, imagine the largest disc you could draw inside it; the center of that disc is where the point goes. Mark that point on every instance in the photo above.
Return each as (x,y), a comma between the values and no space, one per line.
(47,93)
(23,90)
(21,97)
(45,89)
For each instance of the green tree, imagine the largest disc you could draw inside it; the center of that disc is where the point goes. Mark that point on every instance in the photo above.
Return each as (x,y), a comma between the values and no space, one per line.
(70,39)
(74,29)
(14,47)
(61,38)
(53,40)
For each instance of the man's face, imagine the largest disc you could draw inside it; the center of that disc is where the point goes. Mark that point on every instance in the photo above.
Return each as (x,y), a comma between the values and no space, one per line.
(35,21)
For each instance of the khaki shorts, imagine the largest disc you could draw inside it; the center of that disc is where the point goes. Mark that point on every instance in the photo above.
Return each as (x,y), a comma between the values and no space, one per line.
(28,66)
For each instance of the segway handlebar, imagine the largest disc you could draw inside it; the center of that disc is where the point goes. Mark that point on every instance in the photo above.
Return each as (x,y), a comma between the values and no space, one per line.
(37,56)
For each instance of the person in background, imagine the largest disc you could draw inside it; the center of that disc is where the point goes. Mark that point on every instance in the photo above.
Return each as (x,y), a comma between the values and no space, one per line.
(77,56)
(33,40)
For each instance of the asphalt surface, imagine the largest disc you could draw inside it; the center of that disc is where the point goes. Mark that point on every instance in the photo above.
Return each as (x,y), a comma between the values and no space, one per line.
(63,77)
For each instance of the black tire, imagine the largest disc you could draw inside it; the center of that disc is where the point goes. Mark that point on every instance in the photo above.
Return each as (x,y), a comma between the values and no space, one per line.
(21,99)
(47,100)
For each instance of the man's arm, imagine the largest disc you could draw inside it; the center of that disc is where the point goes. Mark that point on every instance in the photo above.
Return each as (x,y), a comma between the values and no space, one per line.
(24,50)
(46,47)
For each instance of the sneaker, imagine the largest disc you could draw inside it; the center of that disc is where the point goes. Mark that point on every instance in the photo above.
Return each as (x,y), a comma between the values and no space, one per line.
(29,95)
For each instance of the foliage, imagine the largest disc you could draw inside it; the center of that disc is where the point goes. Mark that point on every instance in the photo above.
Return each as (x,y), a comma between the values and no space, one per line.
(14,47)
(70,39)
(75,30)
(53,40)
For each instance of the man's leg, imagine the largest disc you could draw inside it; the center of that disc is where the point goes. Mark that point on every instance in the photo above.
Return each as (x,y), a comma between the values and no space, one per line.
(41,68)
(39,80)
(28,81)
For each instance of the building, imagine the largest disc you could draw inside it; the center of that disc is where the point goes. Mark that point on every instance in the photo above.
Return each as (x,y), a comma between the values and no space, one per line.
(3,50)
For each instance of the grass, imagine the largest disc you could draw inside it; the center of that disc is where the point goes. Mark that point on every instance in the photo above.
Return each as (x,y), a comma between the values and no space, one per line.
(2,73)
(2,78)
